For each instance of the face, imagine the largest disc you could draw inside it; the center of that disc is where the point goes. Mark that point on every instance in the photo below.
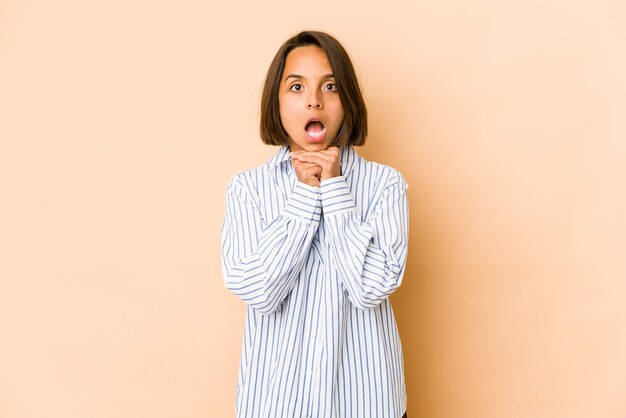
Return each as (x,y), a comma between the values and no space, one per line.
(310,109)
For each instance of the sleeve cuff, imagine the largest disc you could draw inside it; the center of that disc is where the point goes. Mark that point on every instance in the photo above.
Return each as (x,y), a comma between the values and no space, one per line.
(336,196)
(304,204)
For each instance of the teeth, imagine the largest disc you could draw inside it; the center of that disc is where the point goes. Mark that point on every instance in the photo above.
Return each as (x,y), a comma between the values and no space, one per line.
(316,134)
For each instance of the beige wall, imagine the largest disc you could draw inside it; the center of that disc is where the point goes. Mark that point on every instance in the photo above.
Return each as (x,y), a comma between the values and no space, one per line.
(121,122)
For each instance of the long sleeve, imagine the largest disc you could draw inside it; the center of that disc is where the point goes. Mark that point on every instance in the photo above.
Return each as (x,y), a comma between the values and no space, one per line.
(261,262)
(320,338)
(370,257)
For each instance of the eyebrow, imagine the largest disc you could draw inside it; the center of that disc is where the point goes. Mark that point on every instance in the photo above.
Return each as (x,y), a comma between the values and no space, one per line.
(297,76)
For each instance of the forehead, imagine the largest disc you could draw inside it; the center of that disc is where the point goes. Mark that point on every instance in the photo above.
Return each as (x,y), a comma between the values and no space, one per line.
(307,61)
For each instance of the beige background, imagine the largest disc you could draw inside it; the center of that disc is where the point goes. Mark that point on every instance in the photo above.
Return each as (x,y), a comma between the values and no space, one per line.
(122,121)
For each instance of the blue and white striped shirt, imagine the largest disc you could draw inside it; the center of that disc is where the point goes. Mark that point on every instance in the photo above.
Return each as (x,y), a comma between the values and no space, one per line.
(316,266)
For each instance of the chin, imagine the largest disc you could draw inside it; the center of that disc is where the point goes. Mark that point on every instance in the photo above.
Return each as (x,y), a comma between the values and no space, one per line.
(316,147)
(309,146)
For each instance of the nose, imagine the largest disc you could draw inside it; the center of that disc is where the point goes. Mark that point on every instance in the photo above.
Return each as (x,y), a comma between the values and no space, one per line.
(314,101)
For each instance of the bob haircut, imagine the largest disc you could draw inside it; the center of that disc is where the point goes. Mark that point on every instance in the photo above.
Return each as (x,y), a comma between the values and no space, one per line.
(353,130)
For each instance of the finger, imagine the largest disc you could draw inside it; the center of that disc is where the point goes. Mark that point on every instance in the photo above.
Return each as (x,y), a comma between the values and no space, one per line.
(322,154)
(316,158)
(295,154)
(297,160)
(331,155)
(303,155)
(331,151)
(300,163)
(306,167)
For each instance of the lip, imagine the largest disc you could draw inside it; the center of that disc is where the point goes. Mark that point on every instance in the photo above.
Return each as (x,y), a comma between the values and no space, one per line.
(314,119)
(315,139)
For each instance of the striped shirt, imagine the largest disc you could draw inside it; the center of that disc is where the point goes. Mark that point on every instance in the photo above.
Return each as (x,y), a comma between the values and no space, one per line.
(315,266)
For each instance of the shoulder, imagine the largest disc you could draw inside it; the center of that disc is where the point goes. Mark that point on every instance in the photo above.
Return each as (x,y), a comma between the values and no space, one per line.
(379,175)
(247,185)
(254,181)
(246,179)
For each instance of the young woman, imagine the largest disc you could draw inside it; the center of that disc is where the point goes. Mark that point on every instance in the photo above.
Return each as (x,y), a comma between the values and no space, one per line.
(314,241)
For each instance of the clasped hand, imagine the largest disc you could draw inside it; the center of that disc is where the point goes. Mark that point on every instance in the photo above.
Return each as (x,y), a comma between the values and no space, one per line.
(314,166)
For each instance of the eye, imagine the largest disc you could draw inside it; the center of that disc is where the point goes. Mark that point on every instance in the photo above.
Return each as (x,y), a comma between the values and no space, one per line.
(296,87)
(330,87)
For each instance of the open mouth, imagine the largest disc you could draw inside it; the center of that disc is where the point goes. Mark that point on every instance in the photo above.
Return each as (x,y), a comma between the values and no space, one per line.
(315,129)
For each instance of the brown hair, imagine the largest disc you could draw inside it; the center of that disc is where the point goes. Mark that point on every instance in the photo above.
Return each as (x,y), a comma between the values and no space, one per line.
(353,130)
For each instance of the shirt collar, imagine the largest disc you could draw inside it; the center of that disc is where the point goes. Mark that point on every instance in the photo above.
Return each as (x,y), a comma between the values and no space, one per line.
(279,158)
(348,156)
